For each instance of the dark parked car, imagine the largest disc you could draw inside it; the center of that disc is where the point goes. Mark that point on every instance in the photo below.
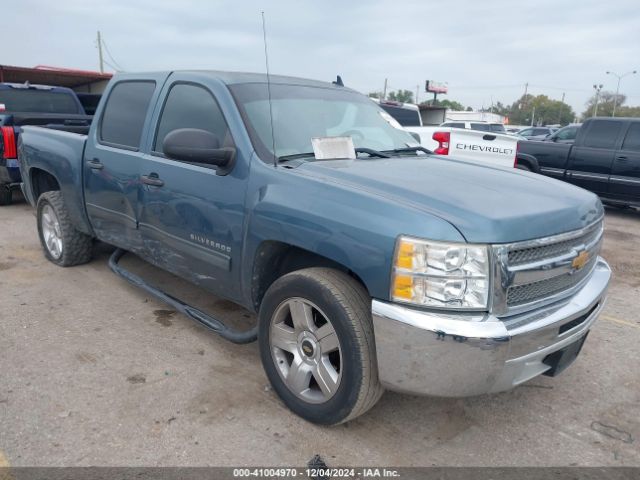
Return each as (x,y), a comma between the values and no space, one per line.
(604,158)
(25,104)
(536,133)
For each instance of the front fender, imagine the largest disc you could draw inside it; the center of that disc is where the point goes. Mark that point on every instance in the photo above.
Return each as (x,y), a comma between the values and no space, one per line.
(353,228)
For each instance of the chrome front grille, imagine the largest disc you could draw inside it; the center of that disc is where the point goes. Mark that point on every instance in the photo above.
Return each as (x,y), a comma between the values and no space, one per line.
(519,294)
(543,270)
(518,256)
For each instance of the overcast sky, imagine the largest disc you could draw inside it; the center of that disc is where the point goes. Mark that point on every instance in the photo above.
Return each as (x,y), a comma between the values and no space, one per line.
(484,49)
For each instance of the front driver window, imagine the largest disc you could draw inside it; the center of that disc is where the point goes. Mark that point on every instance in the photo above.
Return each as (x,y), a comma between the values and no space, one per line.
(191,106)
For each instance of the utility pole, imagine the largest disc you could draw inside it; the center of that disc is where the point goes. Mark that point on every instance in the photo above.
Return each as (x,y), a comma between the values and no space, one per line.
(384,92)
(524,100)
(533,115)
(597,89)
(100,52)
(619,77)
(417,90)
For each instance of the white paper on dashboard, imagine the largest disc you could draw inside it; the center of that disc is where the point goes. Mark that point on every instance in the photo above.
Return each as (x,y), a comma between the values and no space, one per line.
(332,148)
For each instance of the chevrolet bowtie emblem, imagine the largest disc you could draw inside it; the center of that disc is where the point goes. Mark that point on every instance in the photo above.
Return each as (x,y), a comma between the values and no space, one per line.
(581,260)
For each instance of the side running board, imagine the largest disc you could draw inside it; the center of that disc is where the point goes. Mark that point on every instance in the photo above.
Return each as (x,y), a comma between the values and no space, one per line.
(199,316)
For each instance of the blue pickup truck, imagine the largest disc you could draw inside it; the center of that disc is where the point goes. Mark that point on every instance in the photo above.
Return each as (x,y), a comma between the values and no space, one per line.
(26,104)
(385,267)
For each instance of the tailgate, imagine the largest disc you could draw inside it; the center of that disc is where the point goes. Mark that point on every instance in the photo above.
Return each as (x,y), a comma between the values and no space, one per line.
(492,148)
(471,145)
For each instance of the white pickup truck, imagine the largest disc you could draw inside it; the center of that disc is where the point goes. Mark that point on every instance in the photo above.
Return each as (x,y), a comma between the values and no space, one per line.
(488,147)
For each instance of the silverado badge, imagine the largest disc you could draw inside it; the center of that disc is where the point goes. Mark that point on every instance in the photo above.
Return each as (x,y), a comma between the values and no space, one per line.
(581,260)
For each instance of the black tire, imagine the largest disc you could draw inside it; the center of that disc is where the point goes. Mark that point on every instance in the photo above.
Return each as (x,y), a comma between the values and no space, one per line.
(76,246)
(348,307)
(5,195)
(523,167)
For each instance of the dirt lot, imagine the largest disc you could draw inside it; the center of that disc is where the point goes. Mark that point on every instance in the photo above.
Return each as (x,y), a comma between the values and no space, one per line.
(95,372)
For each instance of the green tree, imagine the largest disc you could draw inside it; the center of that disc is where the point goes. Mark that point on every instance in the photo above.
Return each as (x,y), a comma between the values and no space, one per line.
(404,96)
(540,109)
(605,105)
(627,111)
(451,105)
(377,95)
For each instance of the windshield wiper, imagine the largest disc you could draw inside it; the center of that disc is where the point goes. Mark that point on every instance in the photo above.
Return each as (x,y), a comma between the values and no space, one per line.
(419,148)
(295,156)
(371,152)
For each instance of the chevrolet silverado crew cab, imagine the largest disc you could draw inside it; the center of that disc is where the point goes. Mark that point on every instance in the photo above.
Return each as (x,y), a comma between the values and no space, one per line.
(604,158)
(371,263)
(27,104)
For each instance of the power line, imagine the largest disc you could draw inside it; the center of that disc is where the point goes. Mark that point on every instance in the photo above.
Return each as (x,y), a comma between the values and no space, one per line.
(110,65)
(111,56)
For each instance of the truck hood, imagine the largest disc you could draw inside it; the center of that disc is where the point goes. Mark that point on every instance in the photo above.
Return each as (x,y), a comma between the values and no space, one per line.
(485,204)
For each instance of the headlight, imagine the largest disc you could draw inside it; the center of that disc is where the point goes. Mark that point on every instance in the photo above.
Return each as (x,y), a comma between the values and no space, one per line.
(437,274)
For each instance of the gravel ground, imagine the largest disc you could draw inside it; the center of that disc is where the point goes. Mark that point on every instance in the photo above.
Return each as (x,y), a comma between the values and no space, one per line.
(95,372)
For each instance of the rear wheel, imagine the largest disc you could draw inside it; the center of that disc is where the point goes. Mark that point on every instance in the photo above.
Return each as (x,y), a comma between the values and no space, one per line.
(62,243)
(5,195)
(317,345)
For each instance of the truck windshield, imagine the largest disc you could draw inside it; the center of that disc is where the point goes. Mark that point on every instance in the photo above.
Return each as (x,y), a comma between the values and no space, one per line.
(303,112)
(37,101)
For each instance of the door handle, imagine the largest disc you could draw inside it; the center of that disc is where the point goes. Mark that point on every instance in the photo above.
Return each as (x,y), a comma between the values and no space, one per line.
(95,164)
(621,158)
(152,179)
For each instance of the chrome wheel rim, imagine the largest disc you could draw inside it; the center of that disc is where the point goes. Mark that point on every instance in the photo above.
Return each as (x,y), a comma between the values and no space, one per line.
(306,350)
(51,233)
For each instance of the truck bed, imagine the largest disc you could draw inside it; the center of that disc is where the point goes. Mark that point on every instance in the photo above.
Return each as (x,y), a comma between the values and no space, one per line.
(58,154)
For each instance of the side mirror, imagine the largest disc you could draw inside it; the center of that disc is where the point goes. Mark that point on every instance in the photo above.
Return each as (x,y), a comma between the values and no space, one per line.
(198,146)
(416,136)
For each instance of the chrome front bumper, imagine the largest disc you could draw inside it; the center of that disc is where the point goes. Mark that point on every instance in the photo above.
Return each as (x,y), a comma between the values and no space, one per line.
(457,355)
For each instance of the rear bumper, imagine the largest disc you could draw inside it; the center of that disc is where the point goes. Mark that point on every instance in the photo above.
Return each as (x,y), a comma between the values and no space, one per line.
(457,355)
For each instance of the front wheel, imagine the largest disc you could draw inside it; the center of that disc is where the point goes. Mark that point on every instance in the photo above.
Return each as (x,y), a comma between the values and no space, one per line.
(62,243)
(317,345)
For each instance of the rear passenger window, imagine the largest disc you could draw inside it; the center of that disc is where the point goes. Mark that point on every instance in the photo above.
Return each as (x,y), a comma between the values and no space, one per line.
(125,112)
(191,106)
(602,134)
(482,127)
(632,140)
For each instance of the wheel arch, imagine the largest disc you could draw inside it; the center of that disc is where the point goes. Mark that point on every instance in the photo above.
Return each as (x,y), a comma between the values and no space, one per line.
(273,259)
(42,181)
(528,161)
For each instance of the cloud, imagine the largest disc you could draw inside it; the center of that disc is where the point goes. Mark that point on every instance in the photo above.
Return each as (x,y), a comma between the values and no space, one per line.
(485,50)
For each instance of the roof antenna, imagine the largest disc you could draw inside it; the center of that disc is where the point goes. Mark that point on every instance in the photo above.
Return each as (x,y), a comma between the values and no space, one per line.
(338,81)
(266,62)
